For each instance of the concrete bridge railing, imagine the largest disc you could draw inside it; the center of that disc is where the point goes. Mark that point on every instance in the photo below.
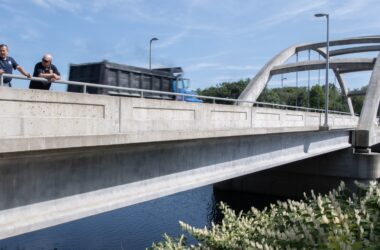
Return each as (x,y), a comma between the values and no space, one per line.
(39,120)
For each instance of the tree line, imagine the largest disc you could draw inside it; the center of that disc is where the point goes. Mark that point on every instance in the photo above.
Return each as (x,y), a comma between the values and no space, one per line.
(293,96)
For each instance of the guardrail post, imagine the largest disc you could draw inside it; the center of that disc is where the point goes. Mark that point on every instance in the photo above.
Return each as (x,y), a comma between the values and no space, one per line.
(142,94)
(84,88)
(2,80)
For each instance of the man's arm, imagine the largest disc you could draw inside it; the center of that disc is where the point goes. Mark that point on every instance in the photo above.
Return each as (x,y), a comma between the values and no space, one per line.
(56,74)
(22,71)
(46,75)
(50,76)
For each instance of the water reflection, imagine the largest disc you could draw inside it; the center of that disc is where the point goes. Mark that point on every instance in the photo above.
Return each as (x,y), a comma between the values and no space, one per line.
(136,227)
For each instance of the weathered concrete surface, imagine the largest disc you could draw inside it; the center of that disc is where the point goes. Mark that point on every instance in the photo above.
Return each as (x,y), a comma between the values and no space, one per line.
(41,120)
(320,173)
(39,189)
(65,156)
(352,50)
(368,132)
(345,65)
(339,42)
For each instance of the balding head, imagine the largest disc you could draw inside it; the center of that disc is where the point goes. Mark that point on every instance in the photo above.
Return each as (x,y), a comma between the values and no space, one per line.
(47,57)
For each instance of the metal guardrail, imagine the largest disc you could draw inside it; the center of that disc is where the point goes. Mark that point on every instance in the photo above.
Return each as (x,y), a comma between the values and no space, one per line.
(85,85)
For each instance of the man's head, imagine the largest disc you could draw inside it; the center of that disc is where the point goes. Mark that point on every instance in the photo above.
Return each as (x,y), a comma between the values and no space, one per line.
(3,50)
(46,60)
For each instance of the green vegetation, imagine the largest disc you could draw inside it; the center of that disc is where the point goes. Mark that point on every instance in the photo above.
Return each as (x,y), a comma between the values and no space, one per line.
(225,90)
(294,96)
(299,97)
(337,220)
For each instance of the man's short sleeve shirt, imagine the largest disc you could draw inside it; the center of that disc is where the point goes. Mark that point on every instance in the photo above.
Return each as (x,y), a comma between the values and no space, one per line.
(8,64)
(41,69)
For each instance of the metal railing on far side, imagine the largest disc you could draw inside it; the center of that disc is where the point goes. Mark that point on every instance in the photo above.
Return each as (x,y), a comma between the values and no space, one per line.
(143,93)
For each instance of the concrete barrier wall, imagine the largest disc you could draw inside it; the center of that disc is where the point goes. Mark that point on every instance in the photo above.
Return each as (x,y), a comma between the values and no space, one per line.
(157,115)
(33,114)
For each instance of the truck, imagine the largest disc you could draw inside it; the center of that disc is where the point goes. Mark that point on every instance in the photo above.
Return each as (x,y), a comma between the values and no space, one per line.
(121,75)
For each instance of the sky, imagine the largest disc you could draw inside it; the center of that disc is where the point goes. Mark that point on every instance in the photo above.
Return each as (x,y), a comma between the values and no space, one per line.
(212,40)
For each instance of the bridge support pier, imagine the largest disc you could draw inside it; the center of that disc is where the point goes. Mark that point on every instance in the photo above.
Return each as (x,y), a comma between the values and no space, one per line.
(320,173)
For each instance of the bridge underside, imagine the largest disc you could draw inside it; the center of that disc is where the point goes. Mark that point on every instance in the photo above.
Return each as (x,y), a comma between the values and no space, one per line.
(45,188)
(322,174)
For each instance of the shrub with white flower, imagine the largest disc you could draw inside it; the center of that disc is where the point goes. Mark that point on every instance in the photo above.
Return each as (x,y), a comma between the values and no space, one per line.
(337,220)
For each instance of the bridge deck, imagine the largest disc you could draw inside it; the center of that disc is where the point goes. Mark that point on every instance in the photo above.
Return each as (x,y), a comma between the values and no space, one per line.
(40,120)
(65,156)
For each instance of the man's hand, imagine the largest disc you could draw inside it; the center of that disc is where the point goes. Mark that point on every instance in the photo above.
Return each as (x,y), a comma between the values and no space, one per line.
(28,75)
(54,77)
(2,71)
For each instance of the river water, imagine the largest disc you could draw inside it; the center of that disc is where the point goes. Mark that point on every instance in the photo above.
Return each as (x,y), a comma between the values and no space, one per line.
(137,226)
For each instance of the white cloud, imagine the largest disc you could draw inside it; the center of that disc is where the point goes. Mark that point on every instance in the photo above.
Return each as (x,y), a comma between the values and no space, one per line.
(172,40)
(243,67)
(351,8)
(216,66)
(200,66)
(30,34)
(290,11)
(67,5)
(362,17)
(206,58)
(41,3)
(80,44)
(127,9)
(120,49)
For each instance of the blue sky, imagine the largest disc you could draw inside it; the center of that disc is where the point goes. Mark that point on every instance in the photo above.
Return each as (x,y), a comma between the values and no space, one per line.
(213,40)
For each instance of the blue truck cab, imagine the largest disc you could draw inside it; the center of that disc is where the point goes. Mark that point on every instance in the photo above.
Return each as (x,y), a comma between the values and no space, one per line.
(181,85)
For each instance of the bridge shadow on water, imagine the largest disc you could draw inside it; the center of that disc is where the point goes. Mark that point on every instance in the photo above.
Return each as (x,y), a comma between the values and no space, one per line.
(137,226)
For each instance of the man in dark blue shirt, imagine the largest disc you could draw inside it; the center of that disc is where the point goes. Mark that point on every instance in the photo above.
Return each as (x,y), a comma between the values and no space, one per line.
(7,64)
(46,70)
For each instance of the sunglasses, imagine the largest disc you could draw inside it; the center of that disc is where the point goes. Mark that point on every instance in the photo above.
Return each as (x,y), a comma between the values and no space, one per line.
(45,61)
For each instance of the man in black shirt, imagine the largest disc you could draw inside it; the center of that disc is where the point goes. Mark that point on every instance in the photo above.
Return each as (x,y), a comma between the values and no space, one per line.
(8,64)
(46,70)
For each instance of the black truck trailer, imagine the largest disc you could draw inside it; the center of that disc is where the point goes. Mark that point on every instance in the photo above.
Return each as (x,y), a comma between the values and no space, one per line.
(121,75)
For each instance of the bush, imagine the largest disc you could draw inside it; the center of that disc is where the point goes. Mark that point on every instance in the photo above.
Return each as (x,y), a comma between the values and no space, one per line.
(338,220)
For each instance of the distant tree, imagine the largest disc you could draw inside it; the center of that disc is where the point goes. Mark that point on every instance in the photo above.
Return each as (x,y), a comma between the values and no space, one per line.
(337,101)
(293,96)
(317,99)
(225,90)
(357,101)
(270,96)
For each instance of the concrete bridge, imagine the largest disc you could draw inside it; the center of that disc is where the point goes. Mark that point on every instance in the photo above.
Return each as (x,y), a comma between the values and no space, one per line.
(65,156)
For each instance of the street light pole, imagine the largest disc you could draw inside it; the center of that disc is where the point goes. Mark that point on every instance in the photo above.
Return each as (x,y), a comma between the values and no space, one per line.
(150,51)
(282,81)
(326,125)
